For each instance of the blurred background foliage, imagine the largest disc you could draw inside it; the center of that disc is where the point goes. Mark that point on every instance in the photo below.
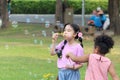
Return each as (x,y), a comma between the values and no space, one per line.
(48,6)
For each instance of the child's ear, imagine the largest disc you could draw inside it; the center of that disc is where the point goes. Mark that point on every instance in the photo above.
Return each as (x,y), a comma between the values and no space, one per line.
(96,50)
(75,35)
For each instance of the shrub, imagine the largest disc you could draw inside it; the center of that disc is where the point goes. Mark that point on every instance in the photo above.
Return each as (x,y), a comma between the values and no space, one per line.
(48,6)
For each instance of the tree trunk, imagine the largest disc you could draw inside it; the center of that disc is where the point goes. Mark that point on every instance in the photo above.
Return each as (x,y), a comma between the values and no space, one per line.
(65,6)
(0,8)
(113,9)
(4,13)
(59,11)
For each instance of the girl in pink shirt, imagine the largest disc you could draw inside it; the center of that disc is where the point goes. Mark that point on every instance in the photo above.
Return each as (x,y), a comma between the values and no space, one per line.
(98,65)
(68,70)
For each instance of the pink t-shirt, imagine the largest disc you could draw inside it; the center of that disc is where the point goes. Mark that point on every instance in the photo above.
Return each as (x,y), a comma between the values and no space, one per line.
(77,50)
(97,68)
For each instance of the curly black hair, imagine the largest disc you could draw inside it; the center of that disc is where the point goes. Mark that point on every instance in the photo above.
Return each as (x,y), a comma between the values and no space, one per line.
(104,43)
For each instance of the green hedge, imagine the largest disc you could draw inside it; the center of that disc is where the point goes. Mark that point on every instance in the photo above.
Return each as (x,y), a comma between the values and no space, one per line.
(48,7)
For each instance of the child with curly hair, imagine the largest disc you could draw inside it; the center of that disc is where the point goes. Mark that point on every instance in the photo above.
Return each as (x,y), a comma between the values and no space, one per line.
(98,65)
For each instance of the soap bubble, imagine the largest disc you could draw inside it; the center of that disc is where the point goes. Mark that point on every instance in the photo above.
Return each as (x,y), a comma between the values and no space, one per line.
(30,73)
(57,23)
(44,33)
(36,16)
(98,8)
(50,46)
(47,24)
(49,60)
(28,20)
(42,19)
(6,46)
(41,42)
(14,24)
(52,32)
(69,13)
(61,25)
(35,75)
(26,32)
(35,41)
(33,35)
(0,22)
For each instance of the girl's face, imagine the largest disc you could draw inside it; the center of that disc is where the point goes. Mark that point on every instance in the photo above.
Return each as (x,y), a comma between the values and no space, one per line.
(69,33)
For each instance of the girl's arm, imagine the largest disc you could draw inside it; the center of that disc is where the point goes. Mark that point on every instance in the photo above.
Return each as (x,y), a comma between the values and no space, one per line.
(80,59)
(54,39)
(113,73)
(78,66)
(52,48)
(74,67)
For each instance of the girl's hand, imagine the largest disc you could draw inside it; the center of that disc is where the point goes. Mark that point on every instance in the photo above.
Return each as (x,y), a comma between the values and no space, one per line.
(69,66)
(54,37)
(69,54)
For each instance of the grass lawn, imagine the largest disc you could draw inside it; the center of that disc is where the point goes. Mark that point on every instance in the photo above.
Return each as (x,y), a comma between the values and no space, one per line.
(24,53)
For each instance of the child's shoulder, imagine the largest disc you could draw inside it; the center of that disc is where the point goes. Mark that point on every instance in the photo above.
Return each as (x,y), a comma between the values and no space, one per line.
(99,57)
(77,44)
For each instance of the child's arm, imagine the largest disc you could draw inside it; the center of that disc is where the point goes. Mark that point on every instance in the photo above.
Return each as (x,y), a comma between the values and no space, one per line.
(113,73)
(53,49)
(81,59)
(74,66)
(78,66)
(54,39)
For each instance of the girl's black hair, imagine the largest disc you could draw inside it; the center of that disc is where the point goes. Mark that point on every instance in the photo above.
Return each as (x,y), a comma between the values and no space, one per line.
(76,30)
(59,52)
(104,43)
